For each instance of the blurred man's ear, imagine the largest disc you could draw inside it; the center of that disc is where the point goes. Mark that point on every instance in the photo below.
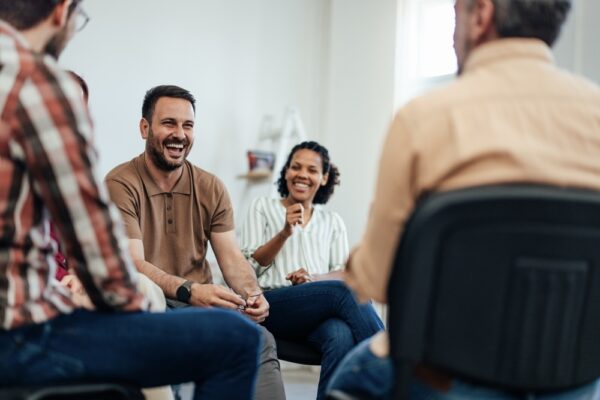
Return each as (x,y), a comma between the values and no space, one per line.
(482,21)
(60,15)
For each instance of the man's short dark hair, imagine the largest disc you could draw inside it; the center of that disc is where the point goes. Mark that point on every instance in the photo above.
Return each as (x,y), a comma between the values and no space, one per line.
(157,92)
(25,14)
(540,19)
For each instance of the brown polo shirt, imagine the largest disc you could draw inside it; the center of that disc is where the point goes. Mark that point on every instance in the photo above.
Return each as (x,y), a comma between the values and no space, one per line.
(174,226)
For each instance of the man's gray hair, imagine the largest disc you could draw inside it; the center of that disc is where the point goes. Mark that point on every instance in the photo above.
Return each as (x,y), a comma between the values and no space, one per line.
(541,19)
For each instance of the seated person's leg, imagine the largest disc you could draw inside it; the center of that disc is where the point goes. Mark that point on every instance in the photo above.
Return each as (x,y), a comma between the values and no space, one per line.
(334,339)
(362,373)
(268,380)
(157,304)
(296,311)
(368,372)
(216,349)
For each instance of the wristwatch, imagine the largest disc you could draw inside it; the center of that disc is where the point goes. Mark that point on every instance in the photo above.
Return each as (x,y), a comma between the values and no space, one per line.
(184,292)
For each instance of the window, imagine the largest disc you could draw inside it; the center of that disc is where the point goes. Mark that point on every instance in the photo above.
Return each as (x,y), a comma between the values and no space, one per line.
(425,56)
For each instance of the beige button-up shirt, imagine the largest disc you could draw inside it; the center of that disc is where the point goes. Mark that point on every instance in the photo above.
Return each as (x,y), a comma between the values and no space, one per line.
(511,117)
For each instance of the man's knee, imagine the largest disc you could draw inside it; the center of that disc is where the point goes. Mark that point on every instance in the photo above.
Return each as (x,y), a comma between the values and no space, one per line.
(269,345)
(240,335)
(333,336)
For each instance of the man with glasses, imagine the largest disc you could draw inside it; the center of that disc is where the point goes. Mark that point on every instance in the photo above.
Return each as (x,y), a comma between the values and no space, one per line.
(47,170)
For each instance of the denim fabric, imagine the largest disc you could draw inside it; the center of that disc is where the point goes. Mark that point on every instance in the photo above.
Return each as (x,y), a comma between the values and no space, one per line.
(324,313)
(216,349)
(462,391)
(363,374)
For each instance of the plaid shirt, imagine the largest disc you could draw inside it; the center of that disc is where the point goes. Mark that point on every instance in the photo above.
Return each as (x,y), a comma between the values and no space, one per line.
(47,171)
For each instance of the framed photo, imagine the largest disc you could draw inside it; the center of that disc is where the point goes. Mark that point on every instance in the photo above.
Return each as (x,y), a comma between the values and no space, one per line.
(260,161)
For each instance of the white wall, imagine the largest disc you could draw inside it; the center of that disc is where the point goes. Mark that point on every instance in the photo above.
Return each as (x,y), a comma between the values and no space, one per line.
(360,100)
(240,58)
(577,48)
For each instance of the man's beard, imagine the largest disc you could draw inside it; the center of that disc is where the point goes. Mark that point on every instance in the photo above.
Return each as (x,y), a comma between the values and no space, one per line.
(155,151)
(57,43)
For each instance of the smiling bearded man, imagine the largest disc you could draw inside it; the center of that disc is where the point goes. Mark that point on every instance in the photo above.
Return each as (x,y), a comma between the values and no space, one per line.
(172,209)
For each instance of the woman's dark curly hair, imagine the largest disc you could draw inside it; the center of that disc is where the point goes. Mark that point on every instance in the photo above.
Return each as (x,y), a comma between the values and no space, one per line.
(324,192)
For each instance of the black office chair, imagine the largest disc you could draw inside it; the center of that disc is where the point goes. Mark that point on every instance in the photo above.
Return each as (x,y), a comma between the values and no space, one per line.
(80,391)
(297,352)
(500,286)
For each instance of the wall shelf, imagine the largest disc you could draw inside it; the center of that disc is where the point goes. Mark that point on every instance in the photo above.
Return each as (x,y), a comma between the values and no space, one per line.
(256,175)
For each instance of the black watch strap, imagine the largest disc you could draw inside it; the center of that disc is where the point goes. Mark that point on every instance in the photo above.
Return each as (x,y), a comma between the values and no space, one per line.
(184,292)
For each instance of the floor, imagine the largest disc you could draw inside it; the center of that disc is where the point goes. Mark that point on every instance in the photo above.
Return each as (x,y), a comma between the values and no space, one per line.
(300,383)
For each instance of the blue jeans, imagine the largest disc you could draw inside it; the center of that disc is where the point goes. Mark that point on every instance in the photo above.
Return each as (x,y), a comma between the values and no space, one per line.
(325,314)
(216,349)
(364,374)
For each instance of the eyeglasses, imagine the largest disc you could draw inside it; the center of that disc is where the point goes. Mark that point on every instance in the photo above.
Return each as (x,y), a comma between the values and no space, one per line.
(81,19)
(78,14)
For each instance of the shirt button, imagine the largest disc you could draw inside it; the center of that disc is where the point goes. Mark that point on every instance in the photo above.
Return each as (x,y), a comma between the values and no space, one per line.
(168,208)
(170,221)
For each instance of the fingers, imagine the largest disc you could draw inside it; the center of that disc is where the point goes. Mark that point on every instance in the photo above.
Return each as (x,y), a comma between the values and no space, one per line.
(225,304)
(66,280)
(299,276)
(304,279)
(257,309)
(209,295)
(295,214)
(227,298)
(256,317)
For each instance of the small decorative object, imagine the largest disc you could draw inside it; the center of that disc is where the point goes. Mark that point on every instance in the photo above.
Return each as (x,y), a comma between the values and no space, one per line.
(260,162)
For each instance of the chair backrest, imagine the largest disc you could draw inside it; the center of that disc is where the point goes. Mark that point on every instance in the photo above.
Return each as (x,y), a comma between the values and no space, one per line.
(501,285)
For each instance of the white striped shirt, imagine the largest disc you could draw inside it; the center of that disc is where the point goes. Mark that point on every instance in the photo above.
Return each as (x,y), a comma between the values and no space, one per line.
(320,247)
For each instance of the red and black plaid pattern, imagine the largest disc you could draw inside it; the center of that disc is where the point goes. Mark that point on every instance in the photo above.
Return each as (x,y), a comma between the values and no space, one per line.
(47,171)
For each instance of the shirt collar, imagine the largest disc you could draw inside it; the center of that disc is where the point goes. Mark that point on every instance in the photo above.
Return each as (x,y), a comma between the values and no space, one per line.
(183,185)
(503,49)
(9,30)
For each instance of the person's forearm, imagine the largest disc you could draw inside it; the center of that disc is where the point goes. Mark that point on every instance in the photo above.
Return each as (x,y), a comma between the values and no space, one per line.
(167,282)
(241,278)
(266,253)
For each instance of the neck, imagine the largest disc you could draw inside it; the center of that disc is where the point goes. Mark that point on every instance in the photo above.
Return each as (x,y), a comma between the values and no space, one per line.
(37,37)
(308,205)
(165,180)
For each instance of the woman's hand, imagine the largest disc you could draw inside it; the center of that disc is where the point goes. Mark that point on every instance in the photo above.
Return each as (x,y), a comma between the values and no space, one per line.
(294,215)
(300,276)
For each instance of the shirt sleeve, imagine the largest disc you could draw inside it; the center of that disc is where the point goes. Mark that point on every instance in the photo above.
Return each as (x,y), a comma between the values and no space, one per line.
(54,133)
(370,262)
(339,244)
(126,202)
(222,220)
(253,234)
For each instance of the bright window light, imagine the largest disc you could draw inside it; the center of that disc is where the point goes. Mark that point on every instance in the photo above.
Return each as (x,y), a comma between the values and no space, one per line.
(435,52)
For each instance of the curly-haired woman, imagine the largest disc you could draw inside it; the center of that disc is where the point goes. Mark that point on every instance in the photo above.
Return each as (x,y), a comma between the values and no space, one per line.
(298,250)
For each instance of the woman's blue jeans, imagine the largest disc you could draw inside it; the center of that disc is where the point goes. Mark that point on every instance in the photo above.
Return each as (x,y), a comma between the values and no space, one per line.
(325,314)
(365,375)
(216,349)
